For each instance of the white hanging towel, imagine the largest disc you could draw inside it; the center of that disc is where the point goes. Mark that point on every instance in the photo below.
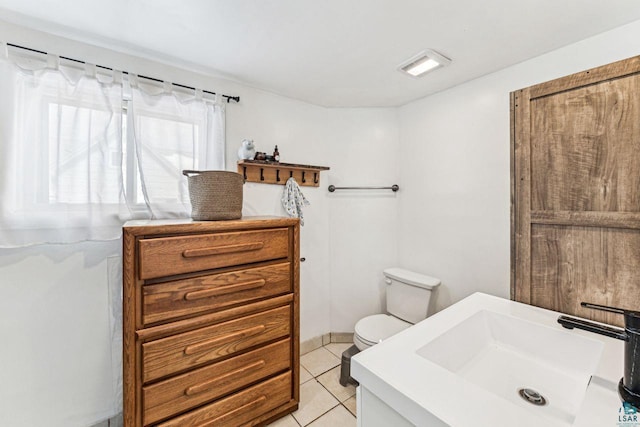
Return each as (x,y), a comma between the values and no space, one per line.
(293,200)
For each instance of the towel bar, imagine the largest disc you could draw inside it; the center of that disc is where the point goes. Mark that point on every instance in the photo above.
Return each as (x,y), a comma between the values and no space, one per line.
(393,188)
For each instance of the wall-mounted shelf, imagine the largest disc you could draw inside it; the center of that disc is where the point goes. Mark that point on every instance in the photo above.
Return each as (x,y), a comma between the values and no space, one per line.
(278,173)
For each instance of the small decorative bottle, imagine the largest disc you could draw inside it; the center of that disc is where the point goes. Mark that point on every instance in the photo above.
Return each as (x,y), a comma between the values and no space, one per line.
(276,154)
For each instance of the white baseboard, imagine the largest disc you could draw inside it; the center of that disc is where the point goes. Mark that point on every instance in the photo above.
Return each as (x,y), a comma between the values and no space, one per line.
(342,337)
(317,342)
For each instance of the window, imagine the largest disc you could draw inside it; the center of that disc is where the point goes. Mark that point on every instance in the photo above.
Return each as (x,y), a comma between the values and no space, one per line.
(167,145)
(79,150)
(88,151)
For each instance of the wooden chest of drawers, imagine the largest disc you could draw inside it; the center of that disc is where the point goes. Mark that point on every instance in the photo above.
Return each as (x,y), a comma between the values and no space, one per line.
(211,321)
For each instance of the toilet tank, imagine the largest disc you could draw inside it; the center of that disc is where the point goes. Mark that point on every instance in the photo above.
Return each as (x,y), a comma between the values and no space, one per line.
(409,294)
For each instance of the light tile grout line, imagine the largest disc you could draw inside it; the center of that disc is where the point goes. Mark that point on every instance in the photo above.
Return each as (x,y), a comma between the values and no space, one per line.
(338,399)
(315,378)
(294,420)
(321,415)
(333,395)
(334,407)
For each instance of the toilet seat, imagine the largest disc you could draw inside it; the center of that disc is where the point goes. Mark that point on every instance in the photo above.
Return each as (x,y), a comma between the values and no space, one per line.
(376,328)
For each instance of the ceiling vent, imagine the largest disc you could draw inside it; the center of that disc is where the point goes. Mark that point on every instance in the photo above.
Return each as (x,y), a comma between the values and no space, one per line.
(423,62)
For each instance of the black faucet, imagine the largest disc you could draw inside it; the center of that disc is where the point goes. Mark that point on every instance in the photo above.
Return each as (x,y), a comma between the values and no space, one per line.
(629,386)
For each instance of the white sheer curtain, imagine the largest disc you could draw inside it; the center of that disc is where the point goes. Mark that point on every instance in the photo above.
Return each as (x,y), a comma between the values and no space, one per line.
(170,130)
(84,149)
(60,178)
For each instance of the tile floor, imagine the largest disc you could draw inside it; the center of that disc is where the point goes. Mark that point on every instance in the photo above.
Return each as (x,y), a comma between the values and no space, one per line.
(323,401)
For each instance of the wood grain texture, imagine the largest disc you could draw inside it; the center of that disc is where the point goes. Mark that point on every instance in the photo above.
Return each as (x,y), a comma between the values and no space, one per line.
(513,99)
(183,351)
(173,227)
(592,76)
(585,144)
(132,406)
(522,208)
(597,265)
(194,388)
(180,298)
(167,256)
(221,313)
(294,257)
(192,323)
(629,220)
(576,179)
(279,173)
(239,409)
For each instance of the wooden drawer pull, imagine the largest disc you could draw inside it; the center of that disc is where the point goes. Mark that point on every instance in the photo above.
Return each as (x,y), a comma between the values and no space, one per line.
(223,290)
(208,385)
(219,250)
(244,408)
(205,345)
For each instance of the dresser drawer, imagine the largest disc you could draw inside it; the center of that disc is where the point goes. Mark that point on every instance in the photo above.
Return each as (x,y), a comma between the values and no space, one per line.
(241,407)
(166,301)
(175,395)
(190,349)
(168,256)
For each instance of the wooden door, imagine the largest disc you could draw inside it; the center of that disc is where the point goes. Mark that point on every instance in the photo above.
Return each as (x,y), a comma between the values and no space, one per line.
(575,180)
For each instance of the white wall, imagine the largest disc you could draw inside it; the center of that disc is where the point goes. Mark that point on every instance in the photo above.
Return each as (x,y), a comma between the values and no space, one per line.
(300,132)
(56,366)
(363,223)
(449,153)
(454,162)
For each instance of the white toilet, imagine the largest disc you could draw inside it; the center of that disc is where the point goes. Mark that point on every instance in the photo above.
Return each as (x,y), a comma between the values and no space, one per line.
(408,302)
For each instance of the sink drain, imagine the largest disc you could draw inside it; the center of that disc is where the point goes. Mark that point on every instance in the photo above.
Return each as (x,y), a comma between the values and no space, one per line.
(532,396)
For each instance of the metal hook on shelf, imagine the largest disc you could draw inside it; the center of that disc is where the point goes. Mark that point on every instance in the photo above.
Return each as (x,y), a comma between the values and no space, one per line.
(261,174)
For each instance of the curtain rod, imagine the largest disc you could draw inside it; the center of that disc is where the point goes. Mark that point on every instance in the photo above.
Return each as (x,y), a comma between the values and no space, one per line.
(228,97)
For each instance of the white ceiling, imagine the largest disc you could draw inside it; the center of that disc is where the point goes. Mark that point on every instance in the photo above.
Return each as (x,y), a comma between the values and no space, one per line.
(330,52)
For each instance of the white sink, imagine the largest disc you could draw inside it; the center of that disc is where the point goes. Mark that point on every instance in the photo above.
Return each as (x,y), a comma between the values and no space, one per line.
(504,354)
(465,365)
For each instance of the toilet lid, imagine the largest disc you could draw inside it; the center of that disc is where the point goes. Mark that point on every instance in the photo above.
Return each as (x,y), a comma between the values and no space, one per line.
(379,327)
